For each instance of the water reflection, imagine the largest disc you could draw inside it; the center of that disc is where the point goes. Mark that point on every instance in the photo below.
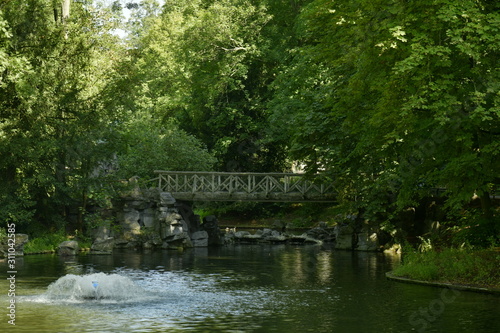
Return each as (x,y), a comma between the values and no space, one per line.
(301,267)
(244,288)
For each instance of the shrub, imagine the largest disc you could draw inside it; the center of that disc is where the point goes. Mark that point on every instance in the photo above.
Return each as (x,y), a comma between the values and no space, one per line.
(45,243)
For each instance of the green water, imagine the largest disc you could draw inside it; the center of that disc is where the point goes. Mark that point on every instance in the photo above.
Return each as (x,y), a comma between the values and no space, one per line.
(247,288)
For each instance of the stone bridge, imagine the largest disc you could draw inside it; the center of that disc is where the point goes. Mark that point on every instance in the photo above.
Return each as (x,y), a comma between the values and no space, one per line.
(232,186)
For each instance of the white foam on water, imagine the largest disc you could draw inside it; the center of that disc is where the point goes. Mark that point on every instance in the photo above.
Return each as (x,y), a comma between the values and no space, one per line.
(163,300)
(101,287)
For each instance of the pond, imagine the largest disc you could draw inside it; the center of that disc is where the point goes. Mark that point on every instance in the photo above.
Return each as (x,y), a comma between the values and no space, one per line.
(238,288)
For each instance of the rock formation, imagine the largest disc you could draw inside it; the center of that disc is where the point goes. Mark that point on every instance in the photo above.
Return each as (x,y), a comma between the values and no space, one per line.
(151,219)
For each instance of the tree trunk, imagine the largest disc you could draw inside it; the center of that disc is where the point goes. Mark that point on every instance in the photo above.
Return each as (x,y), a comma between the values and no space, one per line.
(65,9)
(486,205)
(81,212)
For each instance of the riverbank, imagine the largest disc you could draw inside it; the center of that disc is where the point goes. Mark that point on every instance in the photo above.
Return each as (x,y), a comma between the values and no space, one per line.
(475,270)
(487,290)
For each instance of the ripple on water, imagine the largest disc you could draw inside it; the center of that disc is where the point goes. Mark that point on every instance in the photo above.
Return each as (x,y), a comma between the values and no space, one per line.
(97,287)
(162,298)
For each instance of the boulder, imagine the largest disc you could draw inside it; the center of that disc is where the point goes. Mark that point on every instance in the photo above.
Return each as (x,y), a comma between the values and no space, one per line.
(148,218)
(171,217)
(277,239)
(367,242)
(303,239)
(251,238)
(104,246)
(120,242)
(177,241)
(298,239)
(172,229)
(199,238)
(103,231)
(309,240)
(343,237)
(129,221)
(148,245)
(199,235)
(275,233)
(211,226)
(322,232)
(273,236)
(241,234)
(17,250)
(68,248)
(229,237)
(266,232)
(166,199)
(178,235)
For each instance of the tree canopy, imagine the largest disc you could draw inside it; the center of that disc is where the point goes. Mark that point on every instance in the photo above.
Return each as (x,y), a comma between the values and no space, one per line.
(391,100)
(396,97)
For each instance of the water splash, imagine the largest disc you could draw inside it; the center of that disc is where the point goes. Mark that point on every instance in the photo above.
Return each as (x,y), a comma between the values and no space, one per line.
(97,286)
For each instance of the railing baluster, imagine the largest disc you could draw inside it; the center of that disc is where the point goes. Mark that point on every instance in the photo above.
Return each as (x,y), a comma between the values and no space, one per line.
(189,185)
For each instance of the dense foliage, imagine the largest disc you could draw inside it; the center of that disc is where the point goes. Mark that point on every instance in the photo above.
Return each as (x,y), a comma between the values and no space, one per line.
(60,121)
(53,123)
(394,99)
(390,99)
(397,97)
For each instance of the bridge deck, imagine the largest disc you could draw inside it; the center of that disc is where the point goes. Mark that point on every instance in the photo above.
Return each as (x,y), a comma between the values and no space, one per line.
(232,186)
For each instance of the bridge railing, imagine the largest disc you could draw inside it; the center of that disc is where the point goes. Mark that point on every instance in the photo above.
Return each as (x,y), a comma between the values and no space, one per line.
(232,186)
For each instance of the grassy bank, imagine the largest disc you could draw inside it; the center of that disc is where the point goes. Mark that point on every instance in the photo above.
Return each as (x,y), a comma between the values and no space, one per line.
(49,243)
(479,268)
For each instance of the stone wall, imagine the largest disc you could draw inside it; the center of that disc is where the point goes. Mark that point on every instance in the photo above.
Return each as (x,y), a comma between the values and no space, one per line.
(149,219)
(355,233)
(10,246)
